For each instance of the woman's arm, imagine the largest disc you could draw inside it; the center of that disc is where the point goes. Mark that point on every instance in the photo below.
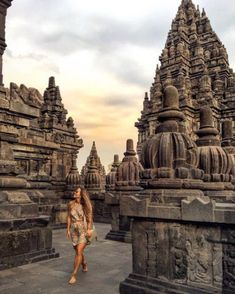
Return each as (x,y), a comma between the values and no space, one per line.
(68,221)
(89,219)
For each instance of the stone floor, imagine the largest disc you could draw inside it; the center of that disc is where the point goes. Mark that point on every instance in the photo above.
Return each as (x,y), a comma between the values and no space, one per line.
(109,263)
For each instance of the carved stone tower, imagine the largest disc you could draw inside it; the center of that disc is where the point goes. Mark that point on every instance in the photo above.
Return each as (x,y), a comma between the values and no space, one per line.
(97,162)
(195,61)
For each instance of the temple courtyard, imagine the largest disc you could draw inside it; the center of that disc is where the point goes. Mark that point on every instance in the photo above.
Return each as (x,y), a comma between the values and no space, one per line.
(109,263)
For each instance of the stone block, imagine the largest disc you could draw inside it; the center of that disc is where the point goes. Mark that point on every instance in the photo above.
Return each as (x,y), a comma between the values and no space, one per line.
(133,206)
(16,197)
(111,199)
(12,182)
(198,210)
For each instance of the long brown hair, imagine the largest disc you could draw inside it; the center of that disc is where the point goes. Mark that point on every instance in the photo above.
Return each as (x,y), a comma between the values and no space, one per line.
(86,204)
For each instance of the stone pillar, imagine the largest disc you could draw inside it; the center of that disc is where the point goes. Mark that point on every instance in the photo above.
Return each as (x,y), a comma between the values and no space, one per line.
(4,5)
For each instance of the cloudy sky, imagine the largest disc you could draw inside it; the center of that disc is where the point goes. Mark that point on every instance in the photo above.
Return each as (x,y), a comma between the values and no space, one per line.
(103,55)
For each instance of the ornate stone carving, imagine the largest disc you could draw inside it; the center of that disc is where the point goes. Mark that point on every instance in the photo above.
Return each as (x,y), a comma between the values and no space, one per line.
(29,96)
(214,160)
(73,178)
(170,153)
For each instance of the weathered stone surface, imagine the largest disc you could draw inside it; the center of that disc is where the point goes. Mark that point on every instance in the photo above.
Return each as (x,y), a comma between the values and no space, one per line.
(198,210)
(25,163)
(182,256)
(101,210)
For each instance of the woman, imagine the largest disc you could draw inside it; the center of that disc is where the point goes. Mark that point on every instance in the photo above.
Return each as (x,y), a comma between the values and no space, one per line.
(79,228)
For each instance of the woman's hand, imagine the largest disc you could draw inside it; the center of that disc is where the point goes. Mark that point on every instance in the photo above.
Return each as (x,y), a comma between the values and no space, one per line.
(89,233)
(68,234)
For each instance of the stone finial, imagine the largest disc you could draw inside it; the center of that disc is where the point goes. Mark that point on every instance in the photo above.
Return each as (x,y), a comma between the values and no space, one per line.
(130,148)
(93,149)
(111,177)
(206,118)
(203,12)
(73,178)
(157,77)
(146,102)
(116,161)
(170,115)
(57,93)
(171,98)
(214,160)
(51,83)
(208,134)
(168,80)
(157,69)
(70,122)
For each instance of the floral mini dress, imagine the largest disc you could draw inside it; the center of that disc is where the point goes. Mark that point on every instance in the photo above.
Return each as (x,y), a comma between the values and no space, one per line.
(78,227)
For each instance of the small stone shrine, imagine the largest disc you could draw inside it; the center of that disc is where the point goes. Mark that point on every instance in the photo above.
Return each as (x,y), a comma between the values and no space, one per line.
(127,181)
(183,221)
(100,169)
(93,178)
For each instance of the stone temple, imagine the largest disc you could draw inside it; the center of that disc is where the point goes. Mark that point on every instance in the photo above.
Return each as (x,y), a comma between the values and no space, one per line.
(175,202)
(38,149)
(183,221)
(195,61)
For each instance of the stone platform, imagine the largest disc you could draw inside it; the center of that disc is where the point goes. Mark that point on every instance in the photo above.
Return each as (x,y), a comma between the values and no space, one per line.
(109,263)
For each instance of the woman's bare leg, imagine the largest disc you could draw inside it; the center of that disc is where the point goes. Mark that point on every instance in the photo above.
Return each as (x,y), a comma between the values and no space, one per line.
(77,261)
(84,264)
